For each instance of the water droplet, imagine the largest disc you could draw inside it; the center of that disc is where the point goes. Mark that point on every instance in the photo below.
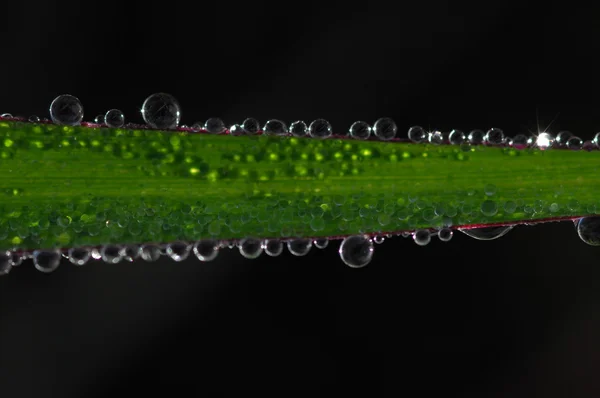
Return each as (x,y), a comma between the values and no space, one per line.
(214,125)
(588,229)
(356,251)
(489,208)
(17,259)
(519,141)
(422,237)
(34,119)
(575,143)
(385,128)
(275,127)
(457,137)
(417,134)
(299,247)
(489,189)
(114,118)
(320,128)
(206,250)
(251,248)
(236,129)
(6,116)
(379,239)
(66,109)
(321,243)
(445,234)
(96,254)
(161,111)
(563,137)
(79,255)
(99,119)
(436,137)
(476,137)
(5,262)
(178,251)
(487,233)
(299,128)
(251,126)
(273,247)
(588,145)
(46,260)
(544,141)
(360,130)
(150,253)
(196,127)
(494,136)
(111,254)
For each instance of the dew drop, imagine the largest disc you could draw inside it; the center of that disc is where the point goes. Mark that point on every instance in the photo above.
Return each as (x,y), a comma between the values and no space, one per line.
(588,229)
(5,262)
(34,119)
(196,127)
(130,252)
(445,234)
(457,137)
(6,116)
(99,119)
(67,110)
(422,237)
(251,125)
(360,130)
(161,111)
(298,128)
(79,255)
(111,254)
(114,118)
(589,145)
(379,239)
(320,128)
(596,140)
(250,248)
(273,247)
(178,251)
(275,127)
(214,125)
(17,259)
(476,137)
(562,137)
(494,136)
(544,141)
(321,243)
(356,251)
(519,141)
(575,143)
(435,137)
(236,129)
(417,134)
(299,247)
(150,253)
(385,128)
(96,254)
(487,233)
(489,208)
(206,250)
(489,189)
(46,260)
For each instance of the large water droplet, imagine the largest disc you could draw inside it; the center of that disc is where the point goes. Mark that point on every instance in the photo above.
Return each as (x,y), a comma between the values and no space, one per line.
(79,255)
(588,229)
(236,129)
(519,141)
(130,252)
(321,243)
(214,125)
(385,128)
(494,136)
(356,251)
(445,234)
(544,141)
(6,116)
(111,254)
(299,247)
(476,137)
(5,262)
(46,260)
(422,237)
(150,253)
(275,127)
(563,137)
(206,250)
(360,130)
(299,128)
(435,137)
(251,125)
(66,109)
(320,128)
(487,233)
(161,111)
(457,137)
(417,134)
(575,143)
(251,248)
(178,251)
(273,247)
(114,118)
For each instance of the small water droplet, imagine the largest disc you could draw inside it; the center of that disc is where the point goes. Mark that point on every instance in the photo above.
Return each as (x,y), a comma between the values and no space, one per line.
(563,137)
(206,250)
(251,248)
(5,262)
(487,233)
(445,234)
(214,125)
(46,260)
(161,111)
(79,255)
(456,137)
(299,247)
(385,128)
(251,125)
(150,253)
(588,229)
(321,243)
(6,116)
(544,141)
(356,251)
(273,247)
(111,254)
(476,137)
(360,130)
(494,136)
(17,259)
(379,239)
(489,189)
(422,237)
(99,119)
(588,145)
(275,127)
(574,143)
(114,118)
(299,128)
(489,208)
(320,128)
(436,137)
(178,251)
(417,134)
(196,127)
(67,110)
(34,119)
(130,252)
(519,141)
(236,129)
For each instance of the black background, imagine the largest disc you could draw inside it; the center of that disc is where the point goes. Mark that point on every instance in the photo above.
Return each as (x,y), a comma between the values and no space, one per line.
(515,317)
